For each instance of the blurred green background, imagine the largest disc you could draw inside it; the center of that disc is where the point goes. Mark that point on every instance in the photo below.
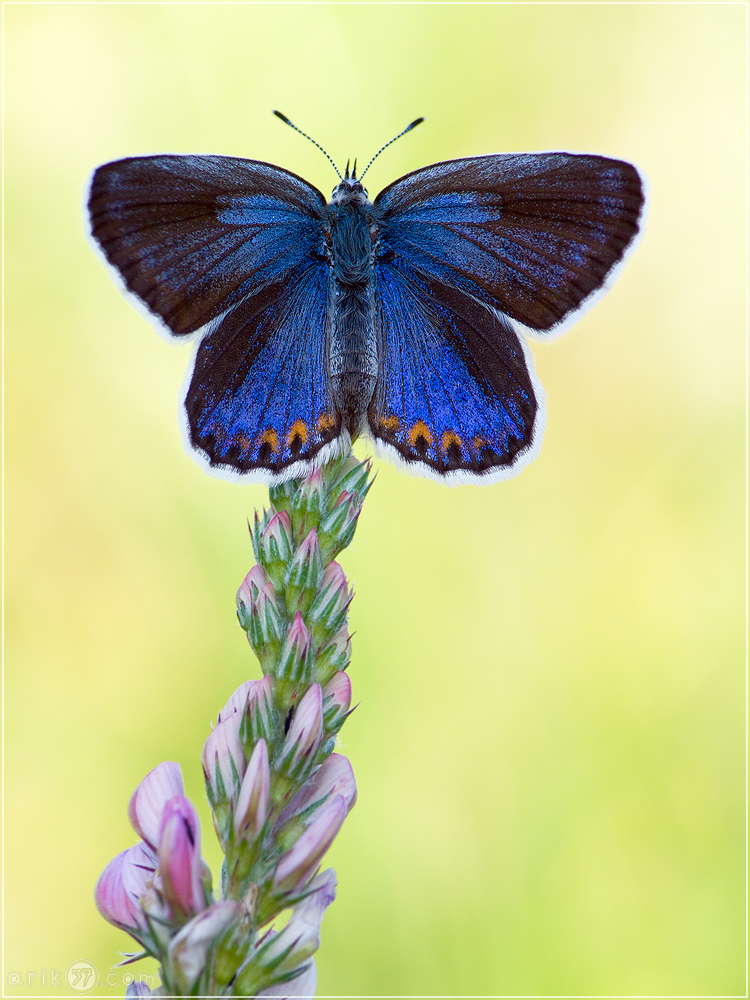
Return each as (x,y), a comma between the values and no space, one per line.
(549,743)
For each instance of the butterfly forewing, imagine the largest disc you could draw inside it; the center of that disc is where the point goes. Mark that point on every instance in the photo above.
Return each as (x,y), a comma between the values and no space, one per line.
(191,236)
(533,235)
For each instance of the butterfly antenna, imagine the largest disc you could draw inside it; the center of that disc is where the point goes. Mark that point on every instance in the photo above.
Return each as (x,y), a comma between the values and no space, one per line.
(417,121)
(297,129)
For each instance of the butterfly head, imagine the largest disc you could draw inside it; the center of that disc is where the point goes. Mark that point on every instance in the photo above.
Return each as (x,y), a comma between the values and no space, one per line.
(349,189)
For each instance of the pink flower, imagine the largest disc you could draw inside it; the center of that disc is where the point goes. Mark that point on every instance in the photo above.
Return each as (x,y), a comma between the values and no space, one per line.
(334,777)
(332,600)
(165,865)
(277,540)
(180,863)
(238,701)
(301,937)
(294,652)
(296,866)
(122,884)
(251,811)
(309,550)
(223,758)
(334,583)
(337,699)
(256,598)
(190,948)
(260,709)
(147,801)
(255,581)
(306,730)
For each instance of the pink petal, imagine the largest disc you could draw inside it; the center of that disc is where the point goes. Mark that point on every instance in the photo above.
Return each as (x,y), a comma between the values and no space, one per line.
(223,754)
(121,885)
(180,862)
(302,859)
(147,801)
(251,810)
(334,777)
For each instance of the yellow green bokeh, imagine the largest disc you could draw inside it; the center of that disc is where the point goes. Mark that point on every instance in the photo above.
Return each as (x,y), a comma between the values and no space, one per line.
(549,742)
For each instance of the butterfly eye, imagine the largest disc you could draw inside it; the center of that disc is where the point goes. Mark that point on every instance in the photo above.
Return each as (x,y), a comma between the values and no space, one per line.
(349,190)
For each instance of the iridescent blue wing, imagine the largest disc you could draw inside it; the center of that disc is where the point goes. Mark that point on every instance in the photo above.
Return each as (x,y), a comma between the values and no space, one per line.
(229,250)
(456,398)
(534,236)
(259,399)
(472,252)
(191,236)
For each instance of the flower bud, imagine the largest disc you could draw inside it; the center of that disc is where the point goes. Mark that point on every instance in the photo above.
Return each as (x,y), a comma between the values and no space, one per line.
(251,811)
(306,731)
(355,476)
(334,777)
(282,495)
(295,657)
(327,613)
(223,760)
(303,574)
(287,950)
(180,863)
(189,950)
(335,655)
(275,546)
(238,701)
(297,864)
(309,496)
(338,526)
(255,581)
(148,800)
(121,886)
(337,699)
(260,719)
(258,613)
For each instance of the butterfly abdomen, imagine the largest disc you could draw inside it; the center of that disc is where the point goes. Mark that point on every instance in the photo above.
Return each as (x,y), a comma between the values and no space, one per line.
(352,350)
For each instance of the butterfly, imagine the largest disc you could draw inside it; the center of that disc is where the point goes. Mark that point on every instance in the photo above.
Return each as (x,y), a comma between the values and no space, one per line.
(403,318)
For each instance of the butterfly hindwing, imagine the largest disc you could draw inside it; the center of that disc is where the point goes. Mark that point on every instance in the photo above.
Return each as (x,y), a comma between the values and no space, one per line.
(456,398)
(192,236)
(259,396)
(533,235)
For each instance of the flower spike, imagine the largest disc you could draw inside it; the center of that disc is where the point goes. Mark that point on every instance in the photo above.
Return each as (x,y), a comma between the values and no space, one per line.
(277,792)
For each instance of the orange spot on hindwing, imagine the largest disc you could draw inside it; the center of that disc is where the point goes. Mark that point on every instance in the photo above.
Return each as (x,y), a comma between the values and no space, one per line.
(451,440)
(270,439)
(419,435)
(389,423)
(325,423)
(297,431)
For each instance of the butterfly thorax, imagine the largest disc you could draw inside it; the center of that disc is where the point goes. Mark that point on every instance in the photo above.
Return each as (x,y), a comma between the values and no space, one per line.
(352,348)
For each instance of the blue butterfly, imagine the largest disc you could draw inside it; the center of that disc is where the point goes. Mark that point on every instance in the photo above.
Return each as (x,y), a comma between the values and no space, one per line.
(401,318)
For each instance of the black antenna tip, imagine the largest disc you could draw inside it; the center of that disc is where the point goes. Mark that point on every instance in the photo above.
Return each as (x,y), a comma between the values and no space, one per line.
(417,121)
(285,119)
